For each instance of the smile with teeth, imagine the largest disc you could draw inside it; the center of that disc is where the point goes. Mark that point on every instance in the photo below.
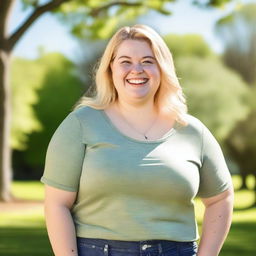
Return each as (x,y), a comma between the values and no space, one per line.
(137,81)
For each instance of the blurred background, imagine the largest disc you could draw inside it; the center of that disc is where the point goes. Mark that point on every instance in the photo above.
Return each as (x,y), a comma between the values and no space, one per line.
(48,51)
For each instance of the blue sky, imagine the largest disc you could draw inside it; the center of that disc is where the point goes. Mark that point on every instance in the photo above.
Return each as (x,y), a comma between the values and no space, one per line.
(52,35)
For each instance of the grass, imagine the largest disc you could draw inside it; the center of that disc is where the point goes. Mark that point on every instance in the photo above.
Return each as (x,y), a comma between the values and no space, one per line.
(23,233)
(29,190)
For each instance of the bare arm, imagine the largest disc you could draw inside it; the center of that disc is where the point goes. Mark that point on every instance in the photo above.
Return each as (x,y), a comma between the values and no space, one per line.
(59,221)
(216,222)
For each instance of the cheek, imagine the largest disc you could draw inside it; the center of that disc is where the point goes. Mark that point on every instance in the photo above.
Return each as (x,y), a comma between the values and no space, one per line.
(152,69)
(124,70)
(119,76)
(154,73)
(120,71)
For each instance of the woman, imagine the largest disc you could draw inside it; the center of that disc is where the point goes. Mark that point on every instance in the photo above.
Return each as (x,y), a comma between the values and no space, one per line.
(123,168)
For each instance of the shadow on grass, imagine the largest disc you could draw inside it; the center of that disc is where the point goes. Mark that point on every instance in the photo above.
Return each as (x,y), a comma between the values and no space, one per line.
(241,240)
(24,241)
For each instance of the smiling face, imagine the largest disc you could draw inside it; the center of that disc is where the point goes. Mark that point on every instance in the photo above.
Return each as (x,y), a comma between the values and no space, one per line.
(135,72)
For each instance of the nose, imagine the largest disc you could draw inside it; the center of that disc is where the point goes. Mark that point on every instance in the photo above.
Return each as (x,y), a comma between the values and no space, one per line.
(137,68)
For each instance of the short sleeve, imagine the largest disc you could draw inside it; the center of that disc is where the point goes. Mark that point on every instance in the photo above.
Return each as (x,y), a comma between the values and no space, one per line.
(65,154)
(214,174)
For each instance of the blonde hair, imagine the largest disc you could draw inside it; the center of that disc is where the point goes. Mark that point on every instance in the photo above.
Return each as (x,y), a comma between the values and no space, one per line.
(168,98)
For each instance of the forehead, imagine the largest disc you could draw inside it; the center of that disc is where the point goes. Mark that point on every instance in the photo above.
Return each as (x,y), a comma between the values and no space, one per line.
(132,48)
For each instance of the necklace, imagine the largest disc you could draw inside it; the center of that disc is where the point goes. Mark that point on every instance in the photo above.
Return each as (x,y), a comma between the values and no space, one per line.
(144,133)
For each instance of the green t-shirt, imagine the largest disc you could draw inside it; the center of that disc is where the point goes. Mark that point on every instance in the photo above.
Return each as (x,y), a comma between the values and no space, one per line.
(130,189)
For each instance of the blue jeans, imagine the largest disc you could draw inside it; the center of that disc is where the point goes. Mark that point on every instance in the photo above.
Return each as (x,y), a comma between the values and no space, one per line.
(102,247)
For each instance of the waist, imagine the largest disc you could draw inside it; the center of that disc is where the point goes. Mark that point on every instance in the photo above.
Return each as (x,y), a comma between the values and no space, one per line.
(137,246)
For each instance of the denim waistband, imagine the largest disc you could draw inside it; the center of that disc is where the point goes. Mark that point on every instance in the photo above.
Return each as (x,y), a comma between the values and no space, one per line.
(159,245)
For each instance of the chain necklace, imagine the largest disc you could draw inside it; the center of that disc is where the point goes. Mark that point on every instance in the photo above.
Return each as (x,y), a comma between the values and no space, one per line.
(144,133)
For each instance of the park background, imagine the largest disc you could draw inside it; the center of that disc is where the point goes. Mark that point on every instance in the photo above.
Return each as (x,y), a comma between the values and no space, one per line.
(214,49)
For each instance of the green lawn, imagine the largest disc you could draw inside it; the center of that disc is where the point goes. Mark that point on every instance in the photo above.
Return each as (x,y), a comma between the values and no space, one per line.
(23,233)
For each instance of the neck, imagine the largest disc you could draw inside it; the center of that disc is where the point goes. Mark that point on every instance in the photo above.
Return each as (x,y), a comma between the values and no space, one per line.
(137,113)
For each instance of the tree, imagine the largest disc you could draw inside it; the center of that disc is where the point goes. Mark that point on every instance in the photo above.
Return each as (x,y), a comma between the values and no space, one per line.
(26,80)
(207,83)
(58,87)
(241,145)
(238,32)
(187,45)
(86,17)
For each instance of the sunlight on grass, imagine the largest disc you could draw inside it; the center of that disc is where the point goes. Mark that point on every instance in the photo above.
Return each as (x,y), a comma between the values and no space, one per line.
(29,190)
(250,181)
(33,219)
(243,198)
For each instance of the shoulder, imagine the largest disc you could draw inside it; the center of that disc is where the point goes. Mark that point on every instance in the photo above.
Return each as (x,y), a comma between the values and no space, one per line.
(198,129)
(84,110)
(193,126)
(89,120)
(85,113)
(79,118)
(193,121)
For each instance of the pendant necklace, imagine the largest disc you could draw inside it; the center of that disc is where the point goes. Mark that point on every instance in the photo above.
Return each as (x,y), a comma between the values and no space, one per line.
(144,133)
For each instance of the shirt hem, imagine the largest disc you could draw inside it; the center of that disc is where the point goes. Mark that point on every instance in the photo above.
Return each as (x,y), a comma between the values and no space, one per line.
(57,185)
(100,236)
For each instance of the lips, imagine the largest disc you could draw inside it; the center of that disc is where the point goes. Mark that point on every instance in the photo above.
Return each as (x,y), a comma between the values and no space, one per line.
(137,81)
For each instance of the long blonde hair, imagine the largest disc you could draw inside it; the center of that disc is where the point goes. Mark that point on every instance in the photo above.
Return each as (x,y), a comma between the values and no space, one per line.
(168,98)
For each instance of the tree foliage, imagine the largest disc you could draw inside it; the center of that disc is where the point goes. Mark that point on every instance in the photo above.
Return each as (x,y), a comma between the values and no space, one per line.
(26,79)
(238,33)
(99,18)
(57,92)
(207,84)
(187,45)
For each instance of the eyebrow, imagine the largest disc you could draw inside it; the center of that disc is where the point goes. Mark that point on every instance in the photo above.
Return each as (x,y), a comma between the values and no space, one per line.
(145,57)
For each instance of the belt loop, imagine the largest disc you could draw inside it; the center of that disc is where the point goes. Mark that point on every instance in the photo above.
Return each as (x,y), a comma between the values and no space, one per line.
(160,250)
(106,250)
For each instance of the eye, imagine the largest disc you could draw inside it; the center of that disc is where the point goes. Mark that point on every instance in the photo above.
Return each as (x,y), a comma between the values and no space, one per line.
(125,62)
(147,62)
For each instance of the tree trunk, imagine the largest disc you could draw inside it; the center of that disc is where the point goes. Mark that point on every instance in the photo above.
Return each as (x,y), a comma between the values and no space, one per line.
(254,203)
(7,43)
(244,178)
(5,111)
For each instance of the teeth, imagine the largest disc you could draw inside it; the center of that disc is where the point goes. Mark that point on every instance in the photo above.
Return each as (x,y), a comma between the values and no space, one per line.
(137,81)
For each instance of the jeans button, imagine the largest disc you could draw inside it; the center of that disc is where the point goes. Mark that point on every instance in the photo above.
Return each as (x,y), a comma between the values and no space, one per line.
(145,246)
